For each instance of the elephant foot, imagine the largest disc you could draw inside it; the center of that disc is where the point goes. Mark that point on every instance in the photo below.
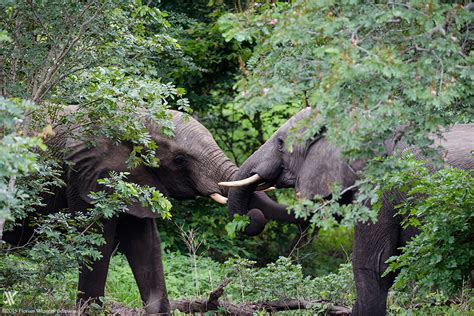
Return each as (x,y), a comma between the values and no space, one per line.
(372,292)
(83,303)
(159,306)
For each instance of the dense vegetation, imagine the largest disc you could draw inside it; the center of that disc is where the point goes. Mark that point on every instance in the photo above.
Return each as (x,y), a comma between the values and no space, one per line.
(242,68)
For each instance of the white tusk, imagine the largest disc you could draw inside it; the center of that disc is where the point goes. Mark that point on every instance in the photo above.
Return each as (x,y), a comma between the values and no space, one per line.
(218,198)
(241,183)
(265,187)
(269,189)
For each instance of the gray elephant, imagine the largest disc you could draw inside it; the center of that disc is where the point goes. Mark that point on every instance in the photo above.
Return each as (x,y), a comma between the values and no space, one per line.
(312,168)
(191,164)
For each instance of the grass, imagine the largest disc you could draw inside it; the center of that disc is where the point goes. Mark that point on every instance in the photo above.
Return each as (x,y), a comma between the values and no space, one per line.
(184,278)
(325,273)
(188,276)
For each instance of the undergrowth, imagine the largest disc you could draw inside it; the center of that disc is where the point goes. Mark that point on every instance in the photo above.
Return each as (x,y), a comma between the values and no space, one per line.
(187,277)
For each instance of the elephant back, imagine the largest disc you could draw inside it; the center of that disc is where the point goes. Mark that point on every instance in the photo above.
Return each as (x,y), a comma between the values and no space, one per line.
(454,146)
(458,144)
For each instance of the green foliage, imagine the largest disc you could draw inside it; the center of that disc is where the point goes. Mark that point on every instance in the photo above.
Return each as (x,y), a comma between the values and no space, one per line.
(278,280)
(101,57)
(85,54)
(183,278)
(336,287)
(368,69)
(238,224)
(4,36)
(126,193)
(51,44)
(284,279)
(187,276)
(442,255)
(112,98)
(40,272)
(433,303)
(323,256)
(31,188)
(328,214)
(190,276)
(365,68)
(208,220)
(82,35)
(320,48)
(210,78)
(18,159)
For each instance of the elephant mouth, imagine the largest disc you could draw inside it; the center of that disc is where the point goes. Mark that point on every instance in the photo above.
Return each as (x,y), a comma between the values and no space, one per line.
(217,197)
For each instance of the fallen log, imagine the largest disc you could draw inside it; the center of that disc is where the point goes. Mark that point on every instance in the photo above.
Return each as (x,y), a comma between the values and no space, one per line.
(213,304)
(294,304)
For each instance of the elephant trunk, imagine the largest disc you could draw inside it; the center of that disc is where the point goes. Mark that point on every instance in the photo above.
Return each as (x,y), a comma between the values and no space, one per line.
(239,201)
(258,206)
(228,172)
(221,169)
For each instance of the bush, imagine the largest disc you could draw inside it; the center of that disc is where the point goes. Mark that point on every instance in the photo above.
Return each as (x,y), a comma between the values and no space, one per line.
(285,279)
(331,248)
(441,256)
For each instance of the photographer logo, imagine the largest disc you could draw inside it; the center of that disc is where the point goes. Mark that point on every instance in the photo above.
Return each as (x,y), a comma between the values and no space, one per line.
(10,297)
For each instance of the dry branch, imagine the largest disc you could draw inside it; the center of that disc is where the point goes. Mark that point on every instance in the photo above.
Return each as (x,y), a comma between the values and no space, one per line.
(213,304)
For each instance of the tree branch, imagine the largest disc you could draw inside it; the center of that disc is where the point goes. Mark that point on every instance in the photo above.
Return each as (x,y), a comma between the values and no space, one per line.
(57,59)
(247,309)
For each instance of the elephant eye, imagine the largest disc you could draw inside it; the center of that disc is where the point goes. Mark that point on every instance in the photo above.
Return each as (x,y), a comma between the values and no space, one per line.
(281,142)
(179,159)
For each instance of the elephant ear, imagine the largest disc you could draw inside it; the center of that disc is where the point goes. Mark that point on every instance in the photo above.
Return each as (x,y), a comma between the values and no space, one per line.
(89,163)
(323,167)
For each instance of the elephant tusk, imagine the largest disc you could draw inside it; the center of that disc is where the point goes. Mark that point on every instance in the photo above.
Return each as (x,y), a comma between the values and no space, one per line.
(241,183)
(218,198)
(265,187)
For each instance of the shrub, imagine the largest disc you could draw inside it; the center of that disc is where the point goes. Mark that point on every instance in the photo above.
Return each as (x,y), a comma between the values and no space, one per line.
(441,256)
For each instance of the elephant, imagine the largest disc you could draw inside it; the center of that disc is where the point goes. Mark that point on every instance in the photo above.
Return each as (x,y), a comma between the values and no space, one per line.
(314,166)
(191,164)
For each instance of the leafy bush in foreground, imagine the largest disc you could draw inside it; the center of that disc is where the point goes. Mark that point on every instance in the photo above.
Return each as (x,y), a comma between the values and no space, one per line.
(188,277)
(441,257)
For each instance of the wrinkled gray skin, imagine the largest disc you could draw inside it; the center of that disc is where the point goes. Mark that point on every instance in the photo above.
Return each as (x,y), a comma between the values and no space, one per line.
(276,166)
(313,167)
(191,164)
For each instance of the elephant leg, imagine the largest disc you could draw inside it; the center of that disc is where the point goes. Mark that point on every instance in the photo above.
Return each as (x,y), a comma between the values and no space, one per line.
(140,241)
(92,280)
(373,245)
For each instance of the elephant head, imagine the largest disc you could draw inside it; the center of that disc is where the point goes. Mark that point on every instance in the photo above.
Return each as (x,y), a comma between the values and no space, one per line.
(190,164)
(311,167)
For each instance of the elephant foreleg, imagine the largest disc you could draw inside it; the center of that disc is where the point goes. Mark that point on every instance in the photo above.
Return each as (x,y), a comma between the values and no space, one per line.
(92,281)
(140,241)
(373,245)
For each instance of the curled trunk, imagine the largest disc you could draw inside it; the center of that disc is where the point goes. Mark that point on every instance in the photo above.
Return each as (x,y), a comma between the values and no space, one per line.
(257,205)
